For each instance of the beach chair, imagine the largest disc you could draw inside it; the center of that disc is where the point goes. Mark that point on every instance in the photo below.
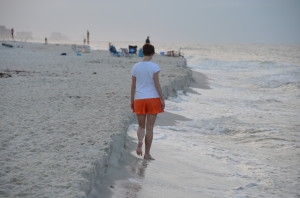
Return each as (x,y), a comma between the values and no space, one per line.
(174,53)
(124,52)
(132,50)
(113,51)
(81,48)
(141,52)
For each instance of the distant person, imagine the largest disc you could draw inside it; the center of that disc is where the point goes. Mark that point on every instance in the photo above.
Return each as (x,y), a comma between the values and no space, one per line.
(148,40)
(46,40)
(84,41)
(146,98)
(88,37)
(12,33)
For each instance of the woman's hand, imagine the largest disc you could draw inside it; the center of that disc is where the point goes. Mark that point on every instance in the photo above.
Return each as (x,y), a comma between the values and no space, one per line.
(133,87)
(162,104)
(132,105)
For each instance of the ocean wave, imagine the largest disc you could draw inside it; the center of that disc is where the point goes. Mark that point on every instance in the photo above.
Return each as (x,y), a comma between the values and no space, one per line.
(275,80)
(224,125)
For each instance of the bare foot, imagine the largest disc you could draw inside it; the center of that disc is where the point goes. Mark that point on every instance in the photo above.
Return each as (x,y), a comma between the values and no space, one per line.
(139,149)
(148,157)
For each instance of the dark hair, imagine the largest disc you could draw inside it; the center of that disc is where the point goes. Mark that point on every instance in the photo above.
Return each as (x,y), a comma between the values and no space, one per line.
(148,50)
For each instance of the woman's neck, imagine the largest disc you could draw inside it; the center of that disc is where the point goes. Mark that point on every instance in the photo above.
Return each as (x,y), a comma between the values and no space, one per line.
(147,58)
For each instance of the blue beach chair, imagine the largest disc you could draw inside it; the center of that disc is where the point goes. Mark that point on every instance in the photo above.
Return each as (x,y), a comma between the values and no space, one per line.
(132,49)
(141,52)
(114,51)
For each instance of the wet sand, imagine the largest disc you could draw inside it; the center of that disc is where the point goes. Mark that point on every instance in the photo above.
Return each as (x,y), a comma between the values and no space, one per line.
(171,174)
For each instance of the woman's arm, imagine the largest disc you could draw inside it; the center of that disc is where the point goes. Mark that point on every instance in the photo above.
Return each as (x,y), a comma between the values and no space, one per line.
(133,87)
(158,88)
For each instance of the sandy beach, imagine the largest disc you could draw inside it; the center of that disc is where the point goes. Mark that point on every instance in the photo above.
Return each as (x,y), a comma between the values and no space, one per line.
(230,77)
(64,117)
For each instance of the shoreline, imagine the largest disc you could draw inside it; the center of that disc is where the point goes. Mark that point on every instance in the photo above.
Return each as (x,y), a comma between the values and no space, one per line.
(118,142)
(225,128)
(60,116)
(124,177)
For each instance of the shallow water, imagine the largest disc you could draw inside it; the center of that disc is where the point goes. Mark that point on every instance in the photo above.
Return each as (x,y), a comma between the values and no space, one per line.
(240,136)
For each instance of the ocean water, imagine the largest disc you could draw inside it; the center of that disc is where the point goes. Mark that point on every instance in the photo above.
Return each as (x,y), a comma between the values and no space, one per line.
(240,136)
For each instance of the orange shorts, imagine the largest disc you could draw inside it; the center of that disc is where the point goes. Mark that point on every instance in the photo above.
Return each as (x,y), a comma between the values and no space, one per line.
(147,106)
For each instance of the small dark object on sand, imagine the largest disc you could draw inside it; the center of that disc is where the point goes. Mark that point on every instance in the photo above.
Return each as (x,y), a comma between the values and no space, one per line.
(63,54)
(7,45)
(5,75)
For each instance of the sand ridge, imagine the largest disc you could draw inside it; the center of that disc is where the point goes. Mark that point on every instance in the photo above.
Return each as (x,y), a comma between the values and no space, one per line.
(64,118)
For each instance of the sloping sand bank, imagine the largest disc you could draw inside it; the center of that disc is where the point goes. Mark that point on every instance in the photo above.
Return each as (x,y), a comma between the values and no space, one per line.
(64,118)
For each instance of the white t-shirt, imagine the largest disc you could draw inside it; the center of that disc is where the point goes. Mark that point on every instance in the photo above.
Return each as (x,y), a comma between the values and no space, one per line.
(145,88)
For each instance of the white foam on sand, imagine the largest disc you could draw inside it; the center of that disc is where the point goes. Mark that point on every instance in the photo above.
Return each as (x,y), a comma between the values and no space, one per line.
(64,118)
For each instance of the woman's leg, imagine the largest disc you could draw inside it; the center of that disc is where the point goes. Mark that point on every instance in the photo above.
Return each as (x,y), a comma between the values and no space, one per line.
(151,118)
(140,133)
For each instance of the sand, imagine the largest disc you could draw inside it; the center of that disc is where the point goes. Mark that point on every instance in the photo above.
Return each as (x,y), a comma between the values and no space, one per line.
(64,118)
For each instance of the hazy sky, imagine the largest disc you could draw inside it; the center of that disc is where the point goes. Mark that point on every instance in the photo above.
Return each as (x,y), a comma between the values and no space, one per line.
(199,21)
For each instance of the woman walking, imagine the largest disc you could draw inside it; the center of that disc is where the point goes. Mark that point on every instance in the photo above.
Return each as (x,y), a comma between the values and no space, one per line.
(146,98)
